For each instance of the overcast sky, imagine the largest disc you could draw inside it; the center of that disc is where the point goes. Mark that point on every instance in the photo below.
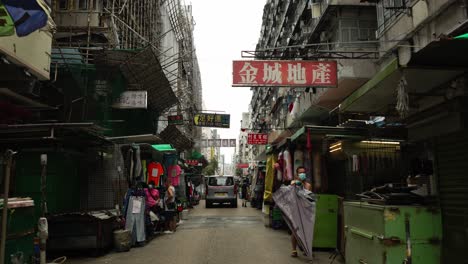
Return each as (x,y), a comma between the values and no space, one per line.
(223,29)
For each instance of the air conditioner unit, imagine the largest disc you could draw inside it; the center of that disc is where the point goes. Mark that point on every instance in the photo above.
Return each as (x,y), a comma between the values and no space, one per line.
(316,11)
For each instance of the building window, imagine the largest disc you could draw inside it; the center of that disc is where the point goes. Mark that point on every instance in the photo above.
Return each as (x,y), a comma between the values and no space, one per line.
(82,4)
(389,11)
(354,30)
(63,4)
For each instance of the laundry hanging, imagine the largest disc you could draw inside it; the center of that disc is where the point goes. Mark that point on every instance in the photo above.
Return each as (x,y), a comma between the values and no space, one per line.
(7,27)
(27,15)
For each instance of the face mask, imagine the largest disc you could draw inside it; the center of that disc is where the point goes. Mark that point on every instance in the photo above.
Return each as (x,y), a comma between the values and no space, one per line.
(298,183)
(302,176)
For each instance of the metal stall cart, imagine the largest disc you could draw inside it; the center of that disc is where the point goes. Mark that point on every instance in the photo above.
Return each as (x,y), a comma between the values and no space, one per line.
(392,233)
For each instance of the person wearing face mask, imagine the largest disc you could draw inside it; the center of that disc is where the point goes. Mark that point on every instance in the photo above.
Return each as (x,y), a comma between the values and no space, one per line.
(300,181)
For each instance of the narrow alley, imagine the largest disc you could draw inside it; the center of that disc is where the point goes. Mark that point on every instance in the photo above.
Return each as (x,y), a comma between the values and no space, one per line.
(216,235)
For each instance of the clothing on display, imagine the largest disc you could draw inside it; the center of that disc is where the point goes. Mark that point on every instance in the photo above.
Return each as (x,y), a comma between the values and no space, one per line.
(135,220)
(144,170)
(174,172)
(155,170)
(279,167)
(288,173)
(269,178)
(355,163)
(137,168)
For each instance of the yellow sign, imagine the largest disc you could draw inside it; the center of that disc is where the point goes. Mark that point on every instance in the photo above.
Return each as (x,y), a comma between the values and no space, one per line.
(211,120)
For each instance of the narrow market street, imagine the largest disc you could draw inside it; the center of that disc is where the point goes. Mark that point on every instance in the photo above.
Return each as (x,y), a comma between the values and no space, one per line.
(215,235)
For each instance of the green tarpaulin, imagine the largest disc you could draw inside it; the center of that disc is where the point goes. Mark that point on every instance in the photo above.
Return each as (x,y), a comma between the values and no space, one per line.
(163,147)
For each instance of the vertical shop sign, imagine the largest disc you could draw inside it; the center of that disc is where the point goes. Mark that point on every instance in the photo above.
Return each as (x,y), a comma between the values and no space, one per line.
(257,139)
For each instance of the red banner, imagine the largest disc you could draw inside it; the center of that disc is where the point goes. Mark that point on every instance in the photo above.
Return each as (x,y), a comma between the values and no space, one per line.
(257,139)
(284,73)
(242,165)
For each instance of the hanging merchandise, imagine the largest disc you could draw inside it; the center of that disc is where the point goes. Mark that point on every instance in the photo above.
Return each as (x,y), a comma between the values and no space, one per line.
(7,27)
(269,178)
(279,167)
(309,142)
(402,97)
(144,171)
(135,220)
(137,157)
(28,15)
(308,164)
(288,173)
(131,166)
(355,163)
(155,170)
(174,172)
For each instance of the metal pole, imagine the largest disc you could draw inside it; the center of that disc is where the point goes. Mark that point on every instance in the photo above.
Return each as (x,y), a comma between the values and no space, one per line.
(9,160)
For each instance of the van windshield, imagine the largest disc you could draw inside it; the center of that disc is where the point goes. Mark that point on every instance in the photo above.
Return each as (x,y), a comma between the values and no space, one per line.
(221,181)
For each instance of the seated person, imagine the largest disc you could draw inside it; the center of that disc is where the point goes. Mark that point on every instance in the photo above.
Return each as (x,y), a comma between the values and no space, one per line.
(152,197)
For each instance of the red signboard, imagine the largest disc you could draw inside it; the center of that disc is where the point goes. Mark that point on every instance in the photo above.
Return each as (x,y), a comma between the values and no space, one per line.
(176,120)
(192,162)
(250,73)
(257,139)
(242,165)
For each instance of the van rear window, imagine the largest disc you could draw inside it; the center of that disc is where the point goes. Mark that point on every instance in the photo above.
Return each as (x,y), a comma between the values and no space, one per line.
(221,181)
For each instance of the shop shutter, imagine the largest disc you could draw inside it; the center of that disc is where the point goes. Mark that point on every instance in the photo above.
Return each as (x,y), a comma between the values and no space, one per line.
(452,168)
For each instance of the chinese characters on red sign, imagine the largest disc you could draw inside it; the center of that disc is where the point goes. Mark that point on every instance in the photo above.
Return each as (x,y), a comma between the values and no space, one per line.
(242,165)
(176,120)
(285,73)
(257,139)
(192,162)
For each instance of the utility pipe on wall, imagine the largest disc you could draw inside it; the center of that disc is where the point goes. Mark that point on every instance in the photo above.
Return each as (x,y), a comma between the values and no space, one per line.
(9,161)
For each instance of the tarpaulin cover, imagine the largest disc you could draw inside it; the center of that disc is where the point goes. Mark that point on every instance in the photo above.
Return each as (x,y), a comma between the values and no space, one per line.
(7,27)
(28,15)
(298,208)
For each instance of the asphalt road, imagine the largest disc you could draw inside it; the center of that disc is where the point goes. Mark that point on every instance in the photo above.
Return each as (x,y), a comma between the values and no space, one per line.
(215,236)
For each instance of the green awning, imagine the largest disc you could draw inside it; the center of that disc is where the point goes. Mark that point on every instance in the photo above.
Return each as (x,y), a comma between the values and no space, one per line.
(163,147)
(196,155)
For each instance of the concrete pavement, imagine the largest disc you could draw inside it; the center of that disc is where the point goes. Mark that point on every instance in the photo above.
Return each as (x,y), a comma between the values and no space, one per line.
(215,236)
